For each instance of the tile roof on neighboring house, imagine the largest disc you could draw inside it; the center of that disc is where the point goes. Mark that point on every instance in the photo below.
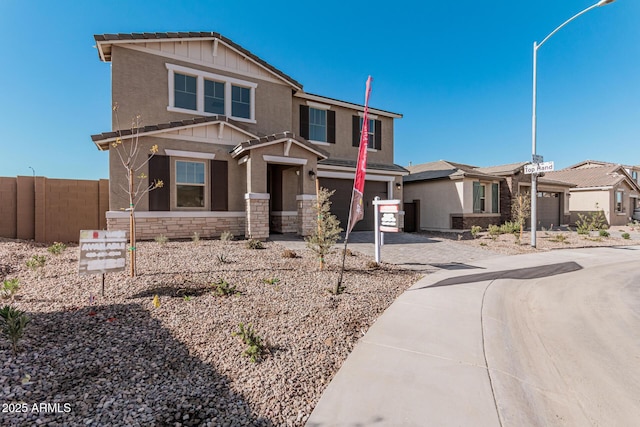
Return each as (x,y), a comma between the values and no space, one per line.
(443,169)
(104,43)
(352,164)
(508,169)
(597,176)
(103,139)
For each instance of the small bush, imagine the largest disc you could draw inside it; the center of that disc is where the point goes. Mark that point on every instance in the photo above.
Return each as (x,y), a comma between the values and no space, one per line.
(9,288)
(226,236)
(255,348)
(604,233)
(494,231)
(222,258)
(187,297)
(254,244)
(288,253)
(195,237)
(36,261)
(626,236)
(560,238)
(510,227)
(57,248)
(271,281)
(12,325)
(475,231)
(224,289)
(162,239)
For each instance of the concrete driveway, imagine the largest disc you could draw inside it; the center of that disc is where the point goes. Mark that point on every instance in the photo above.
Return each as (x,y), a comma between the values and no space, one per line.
(542,339)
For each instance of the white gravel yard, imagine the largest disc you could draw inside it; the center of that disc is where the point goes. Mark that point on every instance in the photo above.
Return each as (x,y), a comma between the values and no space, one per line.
(119,360)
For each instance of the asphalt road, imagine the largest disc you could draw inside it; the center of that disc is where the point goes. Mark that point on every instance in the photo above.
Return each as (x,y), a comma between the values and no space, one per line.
(564,349)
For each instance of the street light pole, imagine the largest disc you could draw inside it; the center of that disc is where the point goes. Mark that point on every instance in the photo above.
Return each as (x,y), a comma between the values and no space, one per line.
(534,175)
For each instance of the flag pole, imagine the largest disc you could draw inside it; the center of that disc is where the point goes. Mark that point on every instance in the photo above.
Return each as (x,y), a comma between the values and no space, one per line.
(358,181)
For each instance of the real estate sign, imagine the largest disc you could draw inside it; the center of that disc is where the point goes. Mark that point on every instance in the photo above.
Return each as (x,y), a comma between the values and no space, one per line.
(102,251)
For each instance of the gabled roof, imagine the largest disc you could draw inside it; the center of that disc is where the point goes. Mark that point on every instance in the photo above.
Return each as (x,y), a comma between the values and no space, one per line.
(276,139)
(606,175)
(351,164)
(102,140)
(501,170)
(442,169)
(104,43)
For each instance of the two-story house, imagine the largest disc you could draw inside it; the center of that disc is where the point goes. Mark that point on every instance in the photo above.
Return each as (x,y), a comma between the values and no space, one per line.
(240,143)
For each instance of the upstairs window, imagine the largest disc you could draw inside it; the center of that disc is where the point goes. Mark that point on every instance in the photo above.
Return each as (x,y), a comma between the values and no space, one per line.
(318,123)
(375,132)
(213,97)
(194,91)
(185,91)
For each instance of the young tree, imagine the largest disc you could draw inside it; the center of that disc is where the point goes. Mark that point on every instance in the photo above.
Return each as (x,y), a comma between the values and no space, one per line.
(128,153)
(521,210)
(327,230)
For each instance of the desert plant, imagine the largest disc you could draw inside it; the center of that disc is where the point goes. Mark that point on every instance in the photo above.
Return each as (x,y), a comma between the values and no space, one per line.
(223,288)
(475,231)
(494,231)
(254,244)
(521,210)
(195,237)
(372,265)
(510,227)
(560,238)
(593,221)
(483,244)
(226,236)
(162,239)
(626,236)
(187,297)
(271,281)
(156,301)
(12,325)
(57,248)
(288,253)
(327,230)
(222,258)
(255,348)
(9,288)
(36,262)
(604,233)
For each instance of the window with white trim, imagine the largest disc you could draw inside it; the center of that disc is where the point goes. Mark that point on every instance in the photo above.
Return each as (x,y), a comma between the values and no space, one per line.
(479,191)
(190,184)
(317,124)
(200,92)
(371,132)
(619,198)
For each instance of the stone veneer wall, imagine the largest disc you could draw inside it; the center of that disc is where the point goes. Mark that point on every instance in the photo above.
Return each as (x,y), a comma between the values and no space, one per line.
(149,227)
(257,223)
(284,222)
(306,214)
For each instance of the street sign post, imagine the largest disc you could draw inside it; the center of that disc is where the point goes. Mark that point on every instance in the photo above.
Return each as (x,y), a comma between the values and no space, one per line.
(536,158)
(539,167)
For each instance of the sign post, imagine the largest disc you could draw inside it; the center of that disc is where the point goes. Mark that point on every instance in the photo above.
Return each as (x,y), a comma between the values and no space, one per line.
(385,220)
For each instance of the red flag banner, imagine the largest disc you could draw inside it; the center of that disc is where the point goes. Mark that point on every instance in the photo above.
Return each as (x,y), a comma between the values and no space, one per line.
(356,212)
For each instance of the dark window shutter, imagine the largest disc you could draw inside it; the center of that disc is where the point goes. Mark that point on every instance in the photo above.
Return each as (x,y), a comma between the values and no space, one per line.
(304,121)
(356,131)
(160,169)
(331,126)
(378,135)
(219,185)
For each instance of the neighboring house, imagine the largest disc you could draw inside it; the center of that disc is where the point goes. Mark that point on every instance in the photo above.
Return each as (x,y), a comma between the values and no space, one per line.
(446,195)
(609,187)
(240,142)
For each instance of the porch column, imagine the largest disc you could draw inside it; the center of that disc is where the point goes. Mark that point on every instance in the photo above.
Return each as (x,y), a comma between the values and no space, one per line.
(257,210)
(306,214)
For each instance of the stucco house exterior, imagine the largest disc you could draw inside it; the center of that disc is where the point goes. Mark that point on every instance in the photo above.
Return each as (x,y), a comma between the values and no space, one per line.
(610,187)
(455,196)
(240,143)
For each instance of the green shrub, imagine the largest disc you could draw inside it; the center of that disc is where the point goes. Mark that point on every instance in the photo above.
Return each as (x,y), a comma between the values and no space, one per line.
(12,325)
(223,288)
(9,288)
(494,231)
(271,281)
(254,244)
(626,236)
(226,236)
(592,222)
(475,231)
(560,238)
(510,227)
(604,233)
(255,348)
(56,248)
(162,239)
(195,237)
(36,261)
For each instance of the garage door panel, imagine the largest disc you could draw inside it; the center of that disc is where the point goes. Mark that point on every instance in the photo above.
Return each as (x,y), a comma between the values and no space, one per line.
(341,200)
(548,209)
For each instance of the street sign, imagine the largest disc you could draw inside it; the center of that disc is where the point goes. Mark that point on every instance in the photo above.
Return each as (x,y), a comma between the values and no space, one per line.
(538,167)
(536,158)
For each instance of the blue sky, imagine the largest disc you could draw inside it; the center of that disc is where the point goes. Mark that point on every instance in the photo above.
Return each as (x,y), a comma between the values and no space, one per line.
(460,73)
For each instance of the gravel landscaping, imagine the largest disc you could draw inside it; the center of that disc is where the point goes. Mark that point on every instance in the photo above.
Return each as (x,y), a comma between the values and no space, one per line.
(122,360)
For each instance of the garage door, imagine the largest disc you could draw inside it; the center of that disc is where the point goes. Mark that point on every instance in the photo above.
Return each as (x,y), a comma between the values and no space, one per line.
(341,200)
(548,209)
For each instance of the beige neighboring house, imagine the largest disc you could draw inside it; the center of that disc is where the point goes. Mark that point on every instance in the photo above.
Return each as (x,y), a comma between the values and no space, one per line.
(241,144)
(445,195)
(610,187)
